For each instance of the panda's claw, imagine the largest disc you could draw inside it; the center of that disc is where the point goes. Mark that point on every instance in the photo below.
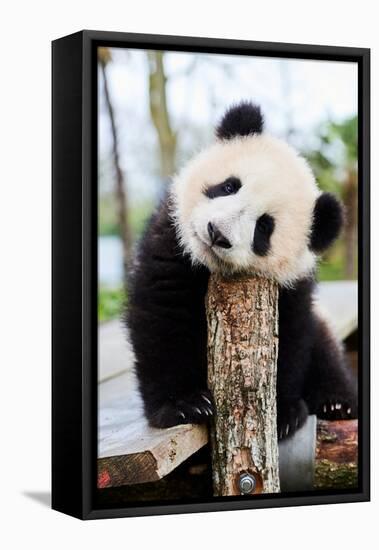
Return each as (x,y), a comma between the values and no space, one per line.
(292,413)
(194,408)
(336,408)
(206,399)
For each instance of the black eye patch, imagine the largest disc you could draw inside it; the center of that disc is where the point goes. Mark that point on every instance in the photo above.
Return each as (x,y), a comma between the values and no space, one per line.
(263,230)
(228,187)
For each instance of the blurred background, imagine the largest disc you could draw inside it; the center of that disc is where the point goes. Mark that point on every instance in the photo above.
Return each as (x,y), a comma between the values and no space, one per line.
(156,109)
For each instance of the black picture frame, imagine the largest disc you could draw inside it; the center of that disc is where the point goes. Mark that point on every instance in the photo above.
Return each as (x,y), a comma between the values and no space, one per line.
(74,270)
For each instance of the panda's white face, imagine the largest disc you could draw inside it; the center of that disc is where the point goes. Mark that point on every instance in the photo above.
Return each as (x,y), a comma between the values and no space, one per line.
(246,205)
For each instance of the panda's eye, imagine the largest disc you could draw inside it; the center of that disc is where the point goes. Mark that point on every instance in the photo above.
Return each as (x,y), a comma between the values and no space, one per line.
(228,187)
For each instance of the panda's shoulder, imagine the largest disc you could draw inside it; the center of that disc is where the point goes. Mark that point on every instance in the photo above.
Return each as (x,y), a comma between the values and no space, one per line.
(302,289)
(295,303)
(160,228)
(159,246)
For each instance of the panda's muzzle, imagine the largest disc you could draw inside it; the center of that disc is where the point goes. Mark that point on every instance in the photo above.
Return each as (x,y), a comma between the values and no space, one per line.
(217,238)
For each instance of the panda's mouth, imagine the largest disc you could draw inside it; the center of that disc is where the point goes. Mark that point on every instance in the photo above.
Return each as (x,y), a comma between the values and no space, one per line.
(209,251)
(206,246)
(203,242)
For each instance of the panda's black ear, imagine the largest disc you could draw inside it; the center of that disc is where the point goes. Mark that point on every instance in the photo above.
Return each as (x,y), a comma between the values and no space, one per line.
(328,219)
(244,119)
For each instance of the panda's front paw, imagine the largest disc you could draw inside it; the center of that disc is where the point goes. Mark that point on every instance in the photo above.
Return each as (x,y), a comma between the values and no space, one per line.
(292,414)
(335,408)
(195,408)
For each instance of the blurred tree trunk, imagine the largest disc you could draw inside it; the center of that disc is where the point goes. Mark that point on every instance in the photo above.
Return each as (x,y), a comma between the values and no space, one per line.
(159,113)
(350,197)
(120,191)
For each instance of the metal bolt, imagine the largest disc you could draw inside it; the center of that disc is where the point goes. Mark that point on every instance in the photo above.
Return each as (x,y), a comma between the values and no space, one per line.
(247,484)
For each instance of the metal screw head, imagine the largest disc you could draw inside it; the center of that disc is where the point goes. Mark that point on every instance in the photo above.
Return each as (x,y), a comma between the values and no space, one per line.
(247,484)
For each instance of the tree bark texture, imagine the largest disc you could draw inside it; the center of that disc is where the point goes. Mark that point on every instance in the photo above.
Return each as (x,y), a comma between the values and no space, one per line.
(336,454)
(242,316)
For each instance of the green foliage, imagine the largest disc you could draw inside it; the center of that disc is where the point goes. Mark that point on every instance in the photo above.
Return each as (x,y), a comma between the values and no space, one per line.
(110,303)
(331,267)
(139,215)
(331,270)
(334,162)
(107,215)
(347,133)
(335,153)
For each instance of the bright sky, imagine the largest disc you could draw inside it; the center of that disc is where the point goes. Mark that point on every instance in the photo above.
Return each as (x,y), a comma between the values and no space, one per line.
(296,93)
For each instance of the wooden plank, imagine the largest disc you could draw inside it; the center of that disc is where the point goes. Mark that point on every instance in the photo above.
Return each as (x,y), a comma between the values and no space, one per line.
(154,456)
(127,469)
(129,450)
(114,349)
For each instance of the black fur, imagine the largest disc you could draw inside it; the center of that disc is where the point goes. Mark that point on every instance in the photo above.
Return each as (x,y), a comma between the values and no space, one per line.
(230,186)
(166,318)
(244,119)
(312,369)
(263,230)
(328,220)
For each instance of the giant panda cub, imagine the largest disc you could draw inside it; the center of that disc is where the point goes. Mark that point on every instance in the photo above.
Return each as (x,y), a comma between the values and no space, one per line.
(247,204)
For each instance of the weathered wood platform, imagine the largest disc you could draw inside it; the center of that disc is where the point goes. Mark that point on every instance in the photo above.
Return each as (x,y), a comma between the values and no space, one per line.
(129,450)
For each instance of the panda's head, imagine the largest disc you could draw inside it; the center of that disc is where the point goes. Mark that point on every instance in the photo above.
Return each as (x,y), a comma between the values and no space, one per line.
(250,203)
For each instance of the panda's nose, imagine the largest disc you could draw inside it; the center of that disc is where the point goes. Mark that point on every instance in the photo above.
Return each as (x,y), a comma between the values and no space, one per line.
(217,238)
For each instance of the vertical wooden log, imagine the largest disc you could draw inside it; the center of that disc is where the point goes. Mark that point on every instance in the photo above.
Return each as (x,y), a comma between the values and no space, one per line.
(242,317)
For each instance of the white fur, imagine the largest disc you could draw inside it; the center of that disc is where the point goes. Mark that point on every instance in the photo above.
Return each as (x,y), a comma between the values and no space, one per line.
(275,180)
